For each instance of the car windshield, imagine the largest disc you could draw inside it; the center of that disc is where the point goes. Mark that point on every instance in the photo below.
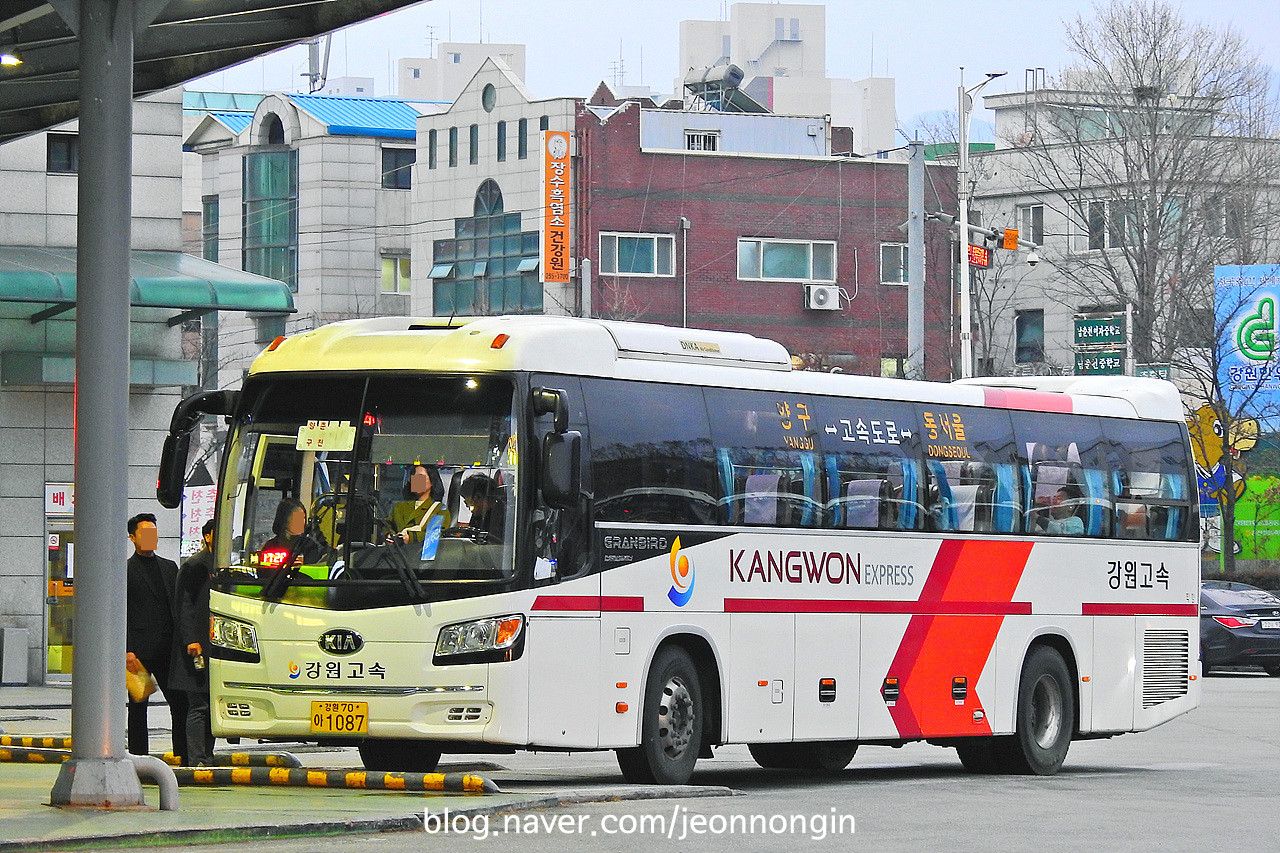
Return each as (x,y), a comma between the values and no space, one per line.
(352,491)
(1239,596)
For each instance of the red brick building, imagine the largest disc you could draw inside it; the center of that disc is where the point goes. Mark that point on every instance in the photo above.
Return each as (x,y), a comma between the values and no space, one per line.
(727,221)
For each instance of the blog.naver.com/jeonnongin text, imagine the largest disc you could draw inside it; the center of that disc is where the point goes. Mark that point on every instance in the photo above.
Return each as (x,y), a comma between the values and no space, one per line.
(677,825)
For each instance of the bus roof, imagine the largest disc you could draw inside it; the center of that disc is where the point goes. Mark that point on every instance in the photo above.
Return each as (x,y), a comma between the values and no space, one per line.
(641,351)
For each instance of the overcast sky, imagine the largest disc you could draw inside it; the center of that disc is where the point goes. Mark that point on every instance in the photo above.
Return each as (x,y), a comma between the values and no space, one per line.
(574,44)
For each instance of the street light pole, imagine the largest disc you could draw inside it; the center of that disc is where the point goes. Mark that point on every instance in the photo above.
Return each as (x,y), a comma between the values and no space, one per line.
(962,175)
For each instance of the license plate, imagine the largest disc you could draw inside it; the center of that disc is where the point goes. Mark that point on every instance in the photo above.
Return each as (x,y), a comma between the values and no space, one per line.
(1271,624)
(340,718)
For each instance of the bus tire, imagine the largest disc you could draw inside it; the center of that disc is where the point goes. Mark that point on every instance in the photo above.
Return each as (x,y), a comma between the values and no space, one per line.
(1044,718)
(978,755)
(823,756)
(671,723)
(399,756)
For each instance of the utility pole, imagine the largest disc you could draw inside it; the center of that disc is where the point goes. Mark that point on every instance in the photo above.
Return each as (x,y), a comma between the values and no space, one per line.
(915,260)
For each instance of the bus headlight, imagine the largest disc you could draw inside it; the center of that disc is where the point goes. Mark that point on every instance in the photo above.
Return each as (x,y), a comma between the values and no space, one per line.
(500,638)
(238,640)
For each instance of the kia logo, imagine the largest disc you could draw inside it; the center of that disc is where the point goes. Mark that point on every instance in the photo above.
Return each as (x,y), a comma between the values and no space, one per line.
(341,641)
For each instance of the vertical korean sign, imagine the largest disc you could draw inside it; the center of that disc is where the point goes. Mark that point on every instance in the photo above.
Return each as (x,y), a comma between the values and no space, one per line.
(555,210)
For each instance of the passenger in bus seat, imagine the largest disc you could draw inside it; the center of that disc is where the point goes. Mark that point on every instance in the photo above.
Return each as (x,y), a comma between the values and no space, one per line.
(289,526)
(422,502)
(1063,520)
(488,510)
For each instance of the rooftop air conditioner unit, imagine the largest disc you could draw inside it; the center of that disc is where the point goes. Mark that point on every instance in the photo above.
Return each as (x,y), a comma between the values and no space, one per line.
(822,297)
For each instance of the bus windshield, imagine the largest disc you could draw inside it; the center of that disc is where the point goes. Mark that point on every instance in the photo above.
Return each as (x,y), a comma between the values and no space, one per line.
(362,491)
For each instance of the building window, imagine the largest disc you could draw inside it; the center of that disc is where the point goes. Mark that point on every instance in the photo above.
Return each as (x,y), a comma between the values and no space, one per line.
(637,254)
(453,146)
(702,140)
(209,227)
(544,123)
(490,266)
(488,97)
(64,153)
(1108,224)
(893,366)
(522,139)
(1031,223)
(271,215)
(473,140)
(1028,330)
(267,328)
(397,167)
(786,260)
(455,58)
(395,274)
(502,141)
(893,263)
(431,148)
(417,72)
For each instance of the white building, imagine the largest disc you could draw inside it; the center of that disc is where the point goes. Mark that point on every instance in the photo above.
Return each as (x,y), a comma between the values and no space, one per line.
(441,78)
(782,49)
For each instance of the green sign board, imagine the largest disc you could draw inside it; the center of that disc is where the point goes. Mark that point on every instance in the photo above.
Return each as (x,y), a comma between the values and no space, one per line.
(1152,371)
(1105,362)
(1100,331)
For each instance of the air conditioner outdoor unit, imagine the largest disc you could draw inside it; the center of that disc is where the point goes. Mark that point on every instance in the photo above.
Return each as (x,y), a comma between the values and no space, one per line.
(822,297)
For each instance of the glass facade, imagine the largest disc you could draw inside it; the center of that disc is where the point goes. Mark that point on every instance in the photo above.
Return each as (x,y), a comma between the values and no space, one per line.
(271,215)
(478,272)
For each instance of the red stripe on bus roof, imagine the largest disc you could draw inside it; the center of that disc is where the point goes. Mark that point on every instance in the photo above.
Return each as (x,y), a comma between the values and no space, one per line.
(1109,609)
(1034,401)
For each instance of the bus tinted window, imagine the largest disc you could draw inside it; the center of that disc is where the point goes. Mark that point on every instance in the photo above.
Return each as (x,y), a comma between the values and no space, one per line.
(651,456)
(870,463)
(972,478)
(1068,460)
(1153,499)
(766,458)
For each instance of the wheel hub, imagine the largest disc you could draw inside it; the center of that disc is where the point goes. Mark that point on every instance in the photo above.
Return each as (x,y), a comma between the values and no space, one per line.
(675,718)
(1047,713)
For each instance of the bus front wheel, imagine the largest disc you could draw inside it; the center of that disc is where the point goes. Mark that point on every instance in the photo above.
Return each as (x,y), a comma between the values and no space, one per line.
(671,725)
(1045,717)
(399,756)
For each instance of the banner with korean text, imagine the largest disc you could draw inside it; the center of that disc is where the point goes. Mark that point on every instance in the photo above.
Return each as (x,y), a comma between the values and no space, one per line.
(1249,324)
(555,211)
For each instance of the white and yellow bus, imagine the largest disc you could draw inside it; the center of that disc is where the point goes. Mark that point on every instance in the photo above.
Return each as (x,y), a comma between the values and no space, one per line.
(658,540)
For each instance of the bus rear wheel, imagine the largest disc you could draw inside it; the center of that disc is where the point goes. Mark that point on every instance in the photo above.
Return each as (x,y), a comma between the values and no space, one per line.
(1045,717)
(671,723)
(826,756)
(399,756)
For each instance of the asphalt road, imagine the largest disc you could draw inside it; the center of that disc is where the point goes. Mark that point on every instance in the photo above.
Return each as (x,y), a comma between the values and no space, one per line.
(1204,782)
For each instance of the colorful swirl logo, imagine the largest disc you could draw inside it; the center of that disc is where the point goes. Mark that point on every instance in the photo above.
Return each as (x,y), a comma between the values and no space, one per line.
(294,672)
(681,576)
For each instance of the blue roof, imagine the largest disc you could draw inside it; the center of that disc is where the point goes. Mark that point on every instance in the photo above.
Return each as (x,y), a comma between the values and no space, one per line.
(235,121)
(362,116)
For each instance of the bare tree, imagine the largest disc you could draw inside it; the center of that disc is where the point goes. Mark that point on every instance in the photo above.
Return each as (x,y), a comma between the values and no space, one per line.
(1157,147)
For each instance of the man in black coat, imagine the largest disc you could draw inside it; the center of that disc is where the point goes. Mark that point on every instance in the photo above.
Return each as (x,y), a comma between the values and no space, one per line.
(149,628)
(188,670)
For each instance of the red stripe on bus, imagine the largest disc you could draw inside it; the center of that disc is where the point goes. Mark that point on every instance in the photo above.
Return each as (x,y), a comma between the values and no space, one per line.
(1034,401)
(943,643)
(802,605)
(1104,609)
(590,603)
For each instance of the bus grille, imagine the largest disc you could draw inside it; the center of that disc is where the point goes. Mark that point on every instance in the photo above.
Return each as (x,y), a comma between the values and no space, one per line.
(1165,657)
(464,714)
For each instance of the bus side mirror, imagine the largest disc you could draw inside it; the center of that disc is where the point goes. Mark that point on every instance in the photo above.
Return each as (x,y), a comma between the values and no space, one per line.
(173,469)
(173,458)
(552,401)
(562,469)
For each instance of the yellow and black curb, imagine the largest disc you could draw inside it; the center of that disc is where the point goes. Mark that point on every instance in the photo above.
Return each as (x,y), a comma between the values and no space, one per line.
(244,759)
(465,783)
(36,742)
(33,755)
